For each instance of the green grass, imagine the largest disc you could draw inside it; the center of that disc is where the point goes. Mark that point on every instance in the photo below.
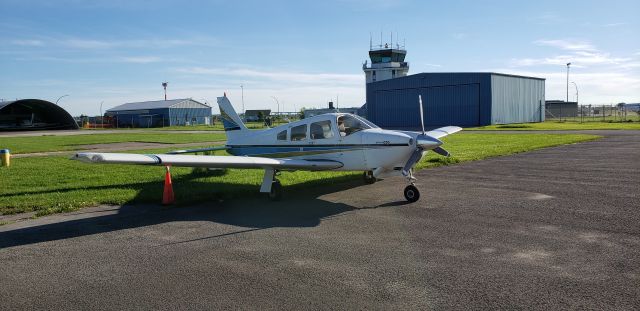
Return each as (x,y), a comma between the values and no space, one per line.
(566,125)
(75,142)
(217,127)
(55,184)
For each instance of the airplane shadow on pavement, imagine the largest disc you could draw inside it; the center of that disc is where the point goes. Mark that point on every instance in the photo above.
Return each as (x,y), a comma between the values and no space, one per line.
(300,207)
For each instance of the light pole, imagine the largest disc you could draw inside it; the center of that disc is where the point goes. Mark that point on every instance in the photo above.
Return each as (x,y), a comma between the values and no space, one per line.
(164,85)
(568,64)
(101,124)
(278,103)
(60,98)
(242,93)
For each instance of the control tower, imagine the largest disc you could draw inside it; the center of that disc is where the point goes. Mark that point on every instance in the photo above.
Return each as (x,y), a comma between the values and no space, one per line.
(387,62)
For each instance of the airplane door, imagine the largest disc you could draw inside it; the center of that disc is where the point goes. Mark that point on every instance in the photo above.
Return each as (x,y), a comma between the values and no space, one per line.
(351,146)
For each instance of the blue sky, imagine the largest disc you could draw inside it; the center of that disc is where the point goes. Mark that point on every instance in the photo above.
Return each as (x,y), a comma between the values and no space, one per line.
(304,53)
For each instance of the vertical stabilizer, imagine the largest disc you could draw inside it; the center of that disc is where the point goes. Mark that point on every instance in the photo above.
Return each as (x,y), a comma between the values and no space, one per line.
(233,126)
(230,118)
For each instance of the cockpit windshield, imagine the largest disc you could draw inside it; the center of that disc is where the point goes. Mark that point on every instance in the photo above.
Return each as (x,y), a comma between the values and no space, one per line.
(349,124)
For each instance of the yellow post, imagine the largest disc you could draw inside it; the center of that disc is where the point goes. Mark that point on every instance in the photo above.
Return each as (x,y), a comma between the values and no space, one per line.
(5,156)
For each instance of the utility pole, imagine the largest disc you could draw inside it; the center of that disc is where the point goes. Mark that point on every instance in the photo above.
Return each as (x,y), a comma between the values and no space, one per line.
(278,103)
(101,124)
(242,92)
(568,64)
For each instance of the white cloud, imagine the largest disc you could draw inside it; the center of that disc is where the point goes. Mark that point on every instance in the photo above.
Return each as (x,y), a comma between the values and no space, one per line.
(595,88)
(292,78)
(141,59)
(27,42)
(101,44)
(567,45)
(580,54)
(577,60)
(460,35)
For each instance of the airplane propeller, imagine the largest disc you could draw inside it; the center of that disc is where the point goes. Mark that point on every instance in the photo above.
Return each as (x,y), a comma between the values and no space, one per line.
(421,114)
(424,143)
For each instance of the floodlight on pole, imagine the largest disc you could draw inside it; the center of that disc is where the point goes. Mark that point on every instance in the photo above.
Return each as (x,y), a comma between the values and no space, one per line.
(568,64)
(101,118)
(242,94)
(60,98)
(277,102)
(164,85)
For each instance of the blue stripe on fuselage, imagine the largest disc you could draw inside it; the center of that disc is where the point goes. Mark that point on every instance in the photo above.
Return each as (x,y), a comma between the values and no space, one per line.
(289,150)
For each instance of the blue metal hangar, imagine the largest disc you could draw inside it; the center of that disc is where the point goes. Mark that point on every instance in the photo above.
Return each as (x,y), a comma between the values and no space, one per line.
(160,113)
(461,99)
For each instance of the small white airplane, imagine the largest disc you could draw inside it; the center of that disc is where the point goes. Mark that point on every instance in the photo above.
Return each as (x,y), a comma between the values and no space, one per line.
(332,142)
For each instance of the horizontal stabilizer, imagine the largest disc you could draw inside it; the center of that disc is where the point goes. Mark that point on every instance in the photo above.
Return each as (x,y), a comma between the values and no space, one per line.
(198,150)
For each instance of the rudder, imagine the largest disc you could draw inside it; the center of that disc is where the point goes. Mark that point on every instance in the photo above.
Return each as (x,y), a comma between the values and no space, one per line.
(230,118)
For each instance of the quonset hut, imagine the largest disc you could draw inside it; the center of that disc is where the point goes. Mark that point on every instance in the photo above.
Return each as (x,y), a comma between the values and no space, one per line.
(160,113)
(34,114)
(461,99)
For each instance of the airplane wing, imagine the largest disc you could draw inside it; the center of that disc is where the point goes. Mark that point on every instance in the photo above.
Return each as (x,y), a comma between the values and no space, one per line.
(444,131)
(206,161)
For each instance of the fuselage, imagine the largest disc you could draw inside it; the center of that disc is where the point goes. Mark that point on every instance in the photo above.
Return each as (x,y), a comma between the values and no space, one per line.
(355,142)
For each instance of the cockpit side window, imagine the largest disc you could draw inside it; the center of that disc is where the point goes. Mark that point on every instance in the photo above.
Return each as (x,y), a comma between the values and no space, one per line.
(347,125)
(299,132)
(282,135)
(321,130)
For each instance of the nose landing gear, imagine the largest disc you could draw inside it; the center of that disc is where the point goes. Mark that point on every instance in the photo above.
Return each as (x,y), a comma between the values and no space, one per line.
(411,193)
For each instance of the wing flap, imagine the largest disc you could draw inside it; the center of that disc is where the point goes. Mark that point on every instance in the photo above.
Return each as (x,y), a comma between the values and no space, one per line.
(205,161)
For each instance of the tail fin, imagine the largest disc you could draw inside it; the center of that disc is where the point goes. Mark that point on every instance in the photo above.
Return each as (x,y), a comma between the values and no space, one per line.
(230,118)
(233,126)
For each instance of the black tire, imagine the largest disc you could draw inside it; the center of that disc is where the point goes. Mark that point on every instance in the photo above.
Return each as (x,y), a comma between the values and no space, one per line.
(411,193)
(276,191)
(368,177)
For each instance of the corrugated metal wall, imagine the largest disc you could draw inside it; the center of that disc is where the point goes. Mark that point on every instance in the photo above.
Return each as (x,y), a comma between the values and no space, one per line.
(449,99)
(164,117)
(186,115)
(516,99)
(463,99)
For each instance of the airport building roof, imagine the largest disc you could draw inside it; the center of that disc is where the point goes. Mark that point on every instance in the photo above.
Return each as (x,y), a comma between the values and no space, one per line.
(156,104)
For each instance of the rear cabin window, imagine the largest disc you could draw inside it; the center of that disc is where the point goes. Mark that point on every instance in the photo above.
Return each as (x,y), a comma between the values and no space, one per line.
(299,132)
(321,130)
(282,135)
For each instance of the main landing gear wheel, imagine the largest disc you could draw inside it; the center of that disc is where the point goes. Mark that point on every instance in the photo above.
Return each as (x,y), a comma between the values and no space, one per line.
(411,193)
(368,177)
(276,191)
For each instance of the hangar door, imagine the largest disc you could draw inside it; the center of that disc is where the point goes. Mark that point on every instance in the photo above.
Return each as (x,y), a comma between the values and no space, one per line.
(443,105)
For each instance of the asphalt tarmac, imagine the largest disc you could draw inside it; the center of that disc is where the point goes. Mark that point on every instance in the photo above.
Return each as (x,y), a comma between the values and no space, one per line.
(557,228)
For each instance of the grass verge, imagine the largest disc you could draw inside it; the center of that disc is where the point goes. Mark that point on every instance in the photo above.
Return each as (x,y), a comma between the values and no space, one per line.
(76,142)
(55,184)
(561,126)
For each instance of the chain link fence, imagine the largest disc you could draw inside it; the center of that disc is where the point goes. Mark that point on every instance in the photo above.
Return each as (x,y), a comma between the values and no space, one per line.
(592,113)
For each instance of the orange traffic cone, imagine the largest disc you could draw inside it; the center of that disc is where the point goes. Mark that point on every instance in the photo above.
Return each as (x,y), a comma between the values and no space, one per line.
(168,196)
